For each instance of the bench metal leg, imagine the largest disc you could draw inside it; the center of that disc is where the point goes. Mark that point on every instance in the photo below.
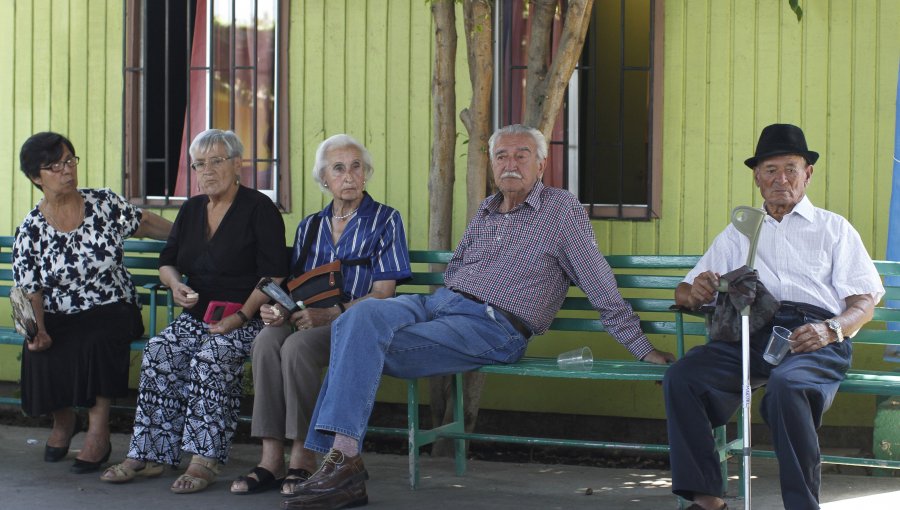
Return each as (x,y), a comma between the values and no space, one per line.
(459,445)
(722,448)
(412,420)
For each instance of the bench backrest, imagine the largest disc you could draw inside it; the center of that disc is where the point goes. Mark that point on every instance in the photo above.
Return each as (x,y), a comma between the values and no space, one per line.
(646,281)
(140,257)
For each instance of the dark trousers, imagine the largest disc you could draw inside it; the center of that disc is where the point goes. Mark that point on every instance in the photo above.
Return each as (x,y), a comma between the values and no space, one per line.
(703,390)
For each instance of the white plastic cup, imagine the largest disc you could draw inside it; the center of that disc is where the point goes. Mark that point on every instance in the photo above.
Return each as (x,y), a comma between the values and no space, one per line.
(577,359)
(778,346)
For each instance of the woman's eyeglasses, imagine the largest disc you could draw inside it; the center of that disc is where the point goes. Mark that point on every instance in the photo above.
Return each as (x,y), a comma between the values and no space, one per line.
(58,166)
(212,163)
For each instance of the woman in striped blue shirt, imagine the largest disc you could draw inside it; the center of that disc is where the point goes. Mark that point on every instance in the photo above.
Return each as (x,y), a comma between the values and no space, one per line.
(291,352)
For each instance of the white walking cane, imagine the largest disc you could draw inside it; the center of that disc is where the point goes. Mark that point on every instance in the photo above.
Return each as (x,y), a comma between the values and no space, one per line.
(748,221)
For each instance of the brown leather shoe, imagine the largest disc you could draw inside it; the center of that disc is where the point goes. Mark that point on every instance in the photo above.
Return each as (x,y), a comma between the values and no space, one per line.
(348,496)
(336,471)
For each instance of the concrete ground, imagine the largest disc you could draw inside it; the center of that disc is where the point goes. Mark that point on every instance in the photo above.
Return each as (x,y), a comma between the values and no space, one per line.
(27,482)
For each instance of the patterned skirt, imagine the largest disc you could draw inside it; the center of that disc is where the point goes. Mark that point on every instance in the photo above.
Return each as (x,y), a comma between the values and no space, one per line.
(190,391)
(89,358)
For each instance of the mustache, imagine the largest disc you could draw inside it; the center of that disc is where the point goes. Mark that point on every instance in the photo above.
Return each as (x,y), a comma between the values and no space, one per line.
(511,173)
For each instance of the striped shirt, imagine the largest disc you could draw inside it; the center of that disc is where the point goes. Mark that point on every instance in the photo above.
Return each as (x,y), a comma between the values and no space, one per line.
(812,256)
(375,233)
(523,262)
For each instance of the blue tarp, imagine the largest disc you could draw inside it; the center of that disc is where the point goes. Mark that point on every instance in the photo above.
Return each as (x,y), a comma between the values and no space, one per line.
(892,352)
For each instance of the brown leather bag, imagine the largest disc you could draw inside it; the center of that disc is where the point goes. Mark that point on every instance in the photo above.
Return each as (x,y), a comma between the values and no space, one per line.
(319,287)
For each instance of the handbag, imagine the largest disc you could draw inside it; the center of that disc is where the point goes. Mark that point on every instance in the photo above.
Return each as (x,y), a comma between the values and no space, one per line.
(23,314)
(322,286)
(319,287)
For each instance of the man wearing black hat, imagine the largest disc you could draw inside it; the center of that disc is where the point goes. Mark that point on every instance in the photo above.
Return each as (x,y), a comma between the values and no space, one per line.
(811,260)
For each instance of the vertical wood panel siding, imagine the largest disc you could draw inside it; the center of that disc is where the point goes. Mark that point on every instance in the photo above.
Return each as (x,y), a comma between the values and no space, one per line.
(733,67)
(363,67)
(61,70)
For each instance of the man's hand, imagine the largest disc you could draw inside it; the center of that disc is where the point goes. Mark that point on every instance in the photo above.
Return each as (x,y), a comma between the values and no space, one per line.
(697,294)
(659,357)
(811,337)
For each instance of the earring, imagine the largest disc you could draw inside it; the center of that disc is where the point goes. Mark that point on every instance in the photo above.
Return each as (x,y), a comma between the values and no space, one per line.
(325,184)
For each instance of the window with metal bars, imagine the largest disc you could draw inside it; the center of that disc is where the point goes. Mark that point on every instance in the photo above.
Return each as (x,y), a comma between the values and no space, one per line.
(191,65)
(607,142)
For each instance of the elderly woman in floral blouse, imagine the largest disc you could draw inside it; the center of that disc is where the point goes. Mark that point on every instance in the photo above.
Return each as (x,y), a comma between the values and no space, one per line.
(67,257)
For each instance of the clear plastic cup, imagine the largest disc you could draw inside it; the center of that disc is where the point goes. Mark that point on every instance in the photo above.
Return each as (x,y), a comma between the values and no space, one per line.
(577,359)
(778,346)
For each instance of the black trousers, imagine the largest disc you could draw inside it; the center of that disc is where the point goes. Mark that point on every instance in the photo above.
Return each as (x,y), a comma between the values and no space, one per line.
(703,390)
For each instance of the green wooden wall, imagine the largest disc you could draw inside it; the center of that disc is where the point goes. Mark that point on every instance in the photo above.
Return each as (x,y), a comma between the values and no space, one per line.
(363,67)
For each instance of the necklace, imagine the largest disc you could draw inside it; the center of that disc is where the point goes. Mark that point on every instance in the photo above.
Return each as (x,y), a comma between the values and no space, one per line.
(344,217)
(45,210)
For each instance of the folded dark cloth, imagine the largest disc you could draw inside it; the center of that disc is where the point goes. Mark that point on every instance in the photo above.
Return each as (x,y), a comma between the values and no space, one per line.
(744,289)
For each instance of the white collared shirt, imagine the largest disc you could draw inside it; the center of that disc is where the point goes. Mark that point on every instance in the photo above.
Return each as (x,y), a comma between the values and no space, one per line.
(812,256)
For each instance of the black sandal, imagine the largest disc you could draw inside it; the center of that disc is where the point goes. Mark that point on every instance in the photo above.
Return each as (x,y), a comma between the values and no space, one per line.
(263,481)
(295,476)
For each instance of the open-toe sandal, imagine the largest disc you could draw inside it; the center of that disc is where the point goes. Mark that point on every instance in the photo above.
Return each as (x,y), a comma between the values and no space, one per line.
(121,473)
(295,476)
(195,483)
(259,479)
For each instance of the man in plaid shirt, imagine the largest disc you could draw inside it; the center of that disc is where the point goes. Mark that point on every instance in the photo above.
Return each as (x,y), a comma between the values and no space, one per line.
(505,282)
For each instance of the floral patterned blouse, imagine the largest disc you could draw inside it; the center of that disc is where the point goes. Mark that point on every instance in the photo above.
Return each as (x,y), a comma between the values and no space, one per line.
(81,269)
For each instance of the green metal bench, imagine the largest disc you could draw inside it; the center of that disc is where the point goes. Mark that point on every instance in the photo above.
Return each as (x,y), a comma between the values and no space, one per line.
(869,382)
(141,259)
(635,275)
(646,275)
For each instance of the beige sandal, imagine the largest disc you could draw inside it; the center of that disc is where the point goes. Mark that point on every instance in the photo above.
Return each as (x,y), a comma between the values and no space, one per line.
(121,473)
(197,484)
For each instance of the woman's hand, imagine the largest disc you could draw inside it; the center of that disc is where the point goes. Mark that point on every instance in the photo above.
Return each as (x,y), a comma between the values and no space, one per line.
(315,317)
(226,325)
(272,315)
(184,296)
(40,342)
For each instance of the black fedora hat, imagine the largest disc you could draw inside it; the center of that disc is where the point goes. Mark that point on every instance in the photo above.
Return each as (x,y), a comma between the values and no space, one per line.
(778,139)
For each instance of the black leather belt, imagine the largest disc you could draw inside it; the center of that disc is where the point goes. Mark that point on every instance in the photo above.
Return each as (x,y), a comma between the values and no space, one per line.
(515,321)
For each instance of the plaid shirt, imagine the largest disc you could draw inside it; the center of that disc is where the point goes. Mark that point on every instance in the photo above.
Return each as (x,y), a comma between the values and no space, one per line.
(523,261)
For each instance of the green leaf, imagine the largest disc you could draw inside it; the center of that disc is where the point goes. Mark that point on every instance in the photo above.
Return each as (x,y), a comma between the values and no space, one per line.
(795,6)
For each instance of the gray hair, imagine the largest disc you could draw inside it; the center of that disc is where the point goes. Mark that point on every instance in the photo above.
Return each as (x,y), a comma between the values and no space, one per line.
(338,142)
(209,138)
(518,129)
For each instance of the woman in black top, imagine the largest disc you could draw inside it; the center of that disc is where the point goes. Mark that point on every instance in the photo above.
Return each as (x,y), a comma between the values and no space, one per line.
(222,242)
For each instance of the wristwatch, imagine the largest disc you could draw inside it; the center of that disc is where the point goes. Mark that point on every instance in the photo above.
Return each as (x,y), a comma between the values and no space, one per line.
(835,326)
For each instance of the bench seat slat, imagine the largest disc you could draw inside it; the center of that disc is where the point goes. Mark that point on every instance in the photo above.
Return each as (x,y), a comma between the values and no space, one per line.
(627,370)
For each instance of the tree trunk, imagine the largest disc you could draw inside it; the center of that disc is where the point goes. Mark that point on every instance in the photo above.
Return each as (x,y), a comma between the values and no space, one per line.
(443,96)
(541,13)
(551,87)
(477,120)
(479,27)
(443,148)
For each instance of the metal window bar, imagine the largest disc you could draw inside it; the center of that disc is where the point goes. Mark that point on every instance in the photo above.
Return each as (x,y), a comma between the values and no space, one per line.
(619,147)
(188,47)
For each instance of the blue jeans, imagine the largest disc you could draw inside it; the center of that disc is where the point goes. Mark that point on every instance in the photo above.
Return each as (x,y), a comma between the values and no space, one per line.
(406,337)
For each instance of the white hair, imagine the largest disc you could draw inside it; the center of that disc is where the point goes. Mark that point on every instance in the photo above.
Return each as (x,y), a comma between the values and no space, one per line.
(206,140)
(338,142)
(518,129)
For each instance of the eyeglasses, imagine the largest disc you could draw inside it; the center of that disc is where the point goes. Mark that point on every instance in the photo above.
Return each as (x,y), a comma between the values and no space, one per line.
(58,166)
(214,163)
